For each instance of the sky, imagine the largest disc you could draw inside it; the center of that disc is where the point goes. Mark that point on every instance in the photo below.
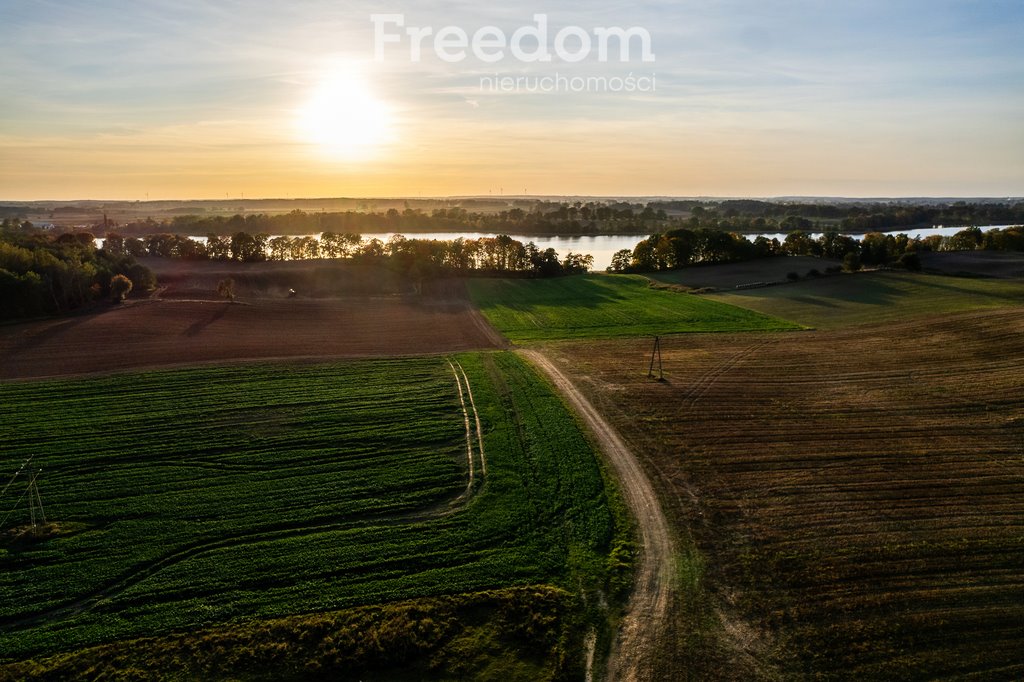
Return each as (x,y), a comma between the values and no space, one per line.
(162,99)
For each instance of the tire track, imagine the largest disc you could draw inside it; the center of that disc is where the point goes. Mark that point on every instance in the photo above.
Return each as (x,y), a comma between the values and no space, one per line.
(476,417)
(708,379)
(469,439)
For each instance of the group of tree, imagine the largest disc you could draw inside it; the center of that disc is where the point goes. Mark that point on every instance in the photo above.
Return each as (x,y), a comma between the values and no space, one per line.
(418,257)
(542,218)
(545,217)
(41,274)
(683,247)
(857,217)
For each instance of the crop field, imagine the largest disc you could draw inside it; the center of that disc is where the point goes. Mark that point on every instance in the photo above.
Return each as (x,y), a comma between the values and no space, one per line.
(185,498)
(844,300)
(851,501)
(597,306)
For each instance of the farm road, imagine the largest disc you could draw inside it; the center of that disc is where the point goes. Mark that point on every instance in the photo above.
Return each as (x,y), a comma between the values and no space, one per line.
(647,613)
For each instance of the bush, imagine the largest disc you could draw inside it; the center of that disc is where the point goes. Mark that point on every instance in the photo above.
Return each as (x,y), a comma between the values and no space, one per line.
(142,277)
(851,262)
(226,289)
(813,272)
(793,277)
(910,261)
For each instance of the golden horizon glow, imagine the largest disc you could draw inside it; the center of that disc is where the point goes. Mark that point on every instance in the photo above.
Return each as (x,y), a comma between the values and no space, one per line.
(752,99)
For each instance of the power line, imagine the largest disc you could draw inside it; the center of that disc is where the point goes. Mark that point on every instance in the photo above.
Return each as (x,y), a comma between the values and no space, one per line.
(20,469)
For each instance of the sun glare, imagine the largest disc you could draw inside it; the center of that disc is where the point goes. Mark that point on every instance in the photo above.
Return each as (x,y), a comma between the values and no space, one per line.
(344,119)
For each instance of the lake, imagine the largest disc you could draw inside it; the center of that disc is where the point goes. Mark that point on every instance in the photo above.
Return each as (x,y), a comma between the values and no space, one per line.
(603,246)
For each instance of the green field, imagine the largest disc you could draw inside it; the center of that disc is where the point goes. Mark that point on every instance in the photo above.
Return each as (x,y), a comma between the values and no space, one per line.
(186,498)
(863,298)
(600,306)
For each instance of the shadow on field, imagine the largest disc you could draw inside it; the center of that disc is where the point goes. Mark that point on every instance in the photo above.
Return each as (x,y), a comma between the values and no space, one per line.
(960,290)
(199,326)
(810,300)
(52,331)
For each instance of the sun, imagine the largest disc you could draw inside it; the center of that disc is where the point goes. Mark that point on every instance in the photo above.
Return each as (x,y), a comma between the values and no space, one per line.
(344,119)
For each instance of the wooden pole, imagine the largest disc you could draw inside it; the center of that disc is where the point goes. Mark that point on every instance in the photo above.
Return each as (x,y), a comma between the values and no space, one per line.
(656,351)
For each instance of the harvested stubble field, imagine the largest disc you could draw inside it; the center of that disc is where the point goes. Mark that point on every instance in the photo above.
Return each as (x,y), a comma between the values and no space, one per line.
(852,501)
(186,498)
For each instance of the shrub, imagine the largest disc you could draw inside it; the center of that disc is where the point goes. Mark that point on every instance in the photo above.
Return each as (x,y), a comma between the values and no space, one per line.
(226,289)
(910,261)
(851,262)
(793,277)
(142,277)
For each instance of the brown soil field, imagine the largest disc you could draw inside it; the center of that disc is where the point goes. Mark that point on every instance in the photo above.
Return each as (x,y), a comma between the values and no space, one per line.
(975,263)
(187,324)
(309,278)
(849,504)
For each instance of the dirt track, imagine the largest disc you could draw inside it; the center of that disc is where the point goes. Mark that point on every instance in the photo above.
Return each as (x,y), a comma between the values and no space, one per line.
(648,610)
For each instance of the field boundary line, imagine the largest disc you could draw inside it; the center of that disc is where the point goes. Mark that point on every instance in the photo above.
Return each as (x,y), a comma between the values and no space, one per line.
(647,613)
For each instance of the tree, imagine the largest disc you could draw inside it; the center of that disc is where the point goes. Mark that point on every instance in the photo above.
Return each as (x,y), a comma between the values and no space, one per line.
(120,287)
(851,262)
(621,260)
(968,239)
(577,263)
(226,289)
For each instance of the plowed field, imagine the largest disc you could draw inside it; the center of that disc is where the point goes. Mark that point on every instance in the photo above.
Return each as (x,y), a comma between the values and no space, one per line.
(855,498)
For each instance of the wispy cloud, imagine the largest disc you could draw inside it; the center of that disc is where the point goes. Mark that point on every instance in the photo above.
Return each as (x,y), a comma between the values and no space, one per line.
(771,97)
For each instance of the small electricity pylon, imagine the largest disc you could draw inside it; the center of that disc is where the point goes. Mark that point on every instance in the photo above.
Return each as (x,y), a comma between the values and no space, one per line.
(656,351)
(35,502)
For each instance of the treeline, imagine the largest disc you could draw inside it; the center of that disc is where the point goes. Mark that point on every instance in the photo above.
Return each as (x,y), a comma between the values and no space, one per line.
(41,275)
(748,216)
(544,218)
(415,257)
(753,216)
(679,248)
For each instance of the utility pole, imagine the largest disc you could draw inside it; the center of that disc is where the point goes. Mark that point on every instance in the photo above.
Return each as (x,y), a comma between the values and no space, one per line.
(656,351)
(35,502)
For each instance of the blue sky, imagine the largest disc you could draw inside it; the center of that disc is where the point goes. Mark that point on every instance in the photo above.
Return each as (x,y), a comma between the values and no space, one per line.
(195,99)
